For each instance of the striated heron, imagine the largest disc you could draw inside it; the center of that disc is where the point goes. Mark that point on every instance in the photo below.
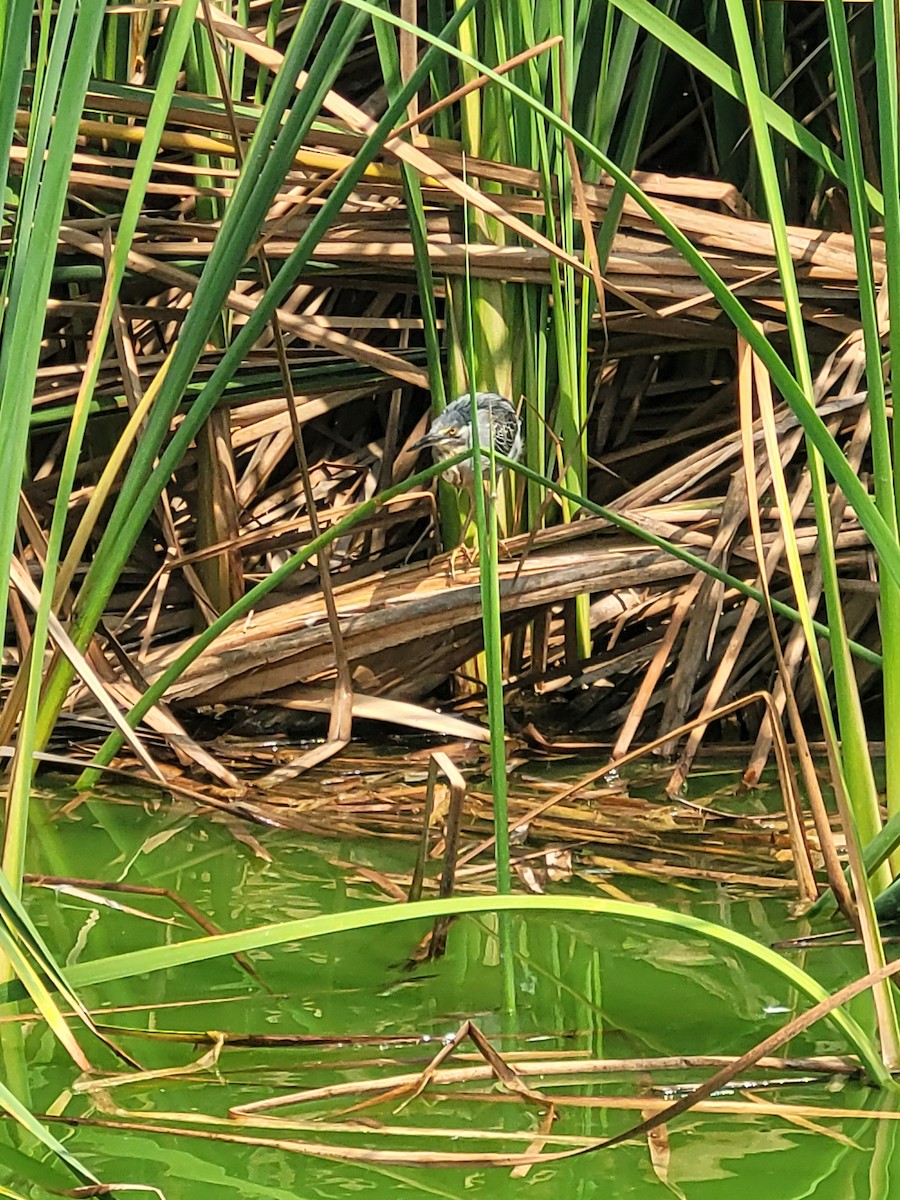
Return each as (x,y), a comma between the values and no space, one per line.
(451,432)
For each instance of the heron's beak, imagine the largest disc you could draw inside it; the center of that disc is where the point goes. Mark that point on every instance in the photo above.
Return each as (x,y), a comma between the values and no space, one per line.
(430,439)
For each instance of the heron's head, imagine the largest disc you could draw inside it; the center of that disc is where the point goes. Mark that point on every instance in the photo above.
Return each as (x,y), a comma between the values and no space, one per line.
(450,433)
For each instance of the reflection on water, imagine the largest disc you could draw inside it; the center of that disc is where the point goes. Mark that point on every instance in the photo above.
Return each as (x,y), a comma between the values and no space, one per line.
(605,987)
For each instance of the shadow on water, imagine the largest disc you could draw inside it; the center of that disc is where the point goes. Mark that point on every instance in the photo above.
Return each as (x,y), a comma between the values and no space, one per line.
(602,988)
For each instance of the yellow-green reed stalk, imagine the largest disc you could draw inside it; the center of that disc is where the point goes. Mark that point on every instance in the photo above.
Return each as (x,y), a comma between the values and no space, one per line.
(66,45)
(886,486)
(635,122)
(14,846)
(15,50)
(43,194)
(486,524)
(389,57)
(529,141)
(888,95)
(570,336)
(200,78)
(556,378)
(480,313)
(485,315)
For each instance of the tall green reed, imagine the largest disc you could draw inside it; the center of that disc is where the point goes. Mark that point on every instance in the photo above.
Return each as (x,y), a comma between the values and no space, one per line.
(56,109)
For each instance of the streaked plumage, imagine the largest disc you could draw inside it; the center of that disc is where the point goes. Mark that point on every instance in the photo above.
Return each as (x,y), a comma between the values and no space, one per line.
(451,432)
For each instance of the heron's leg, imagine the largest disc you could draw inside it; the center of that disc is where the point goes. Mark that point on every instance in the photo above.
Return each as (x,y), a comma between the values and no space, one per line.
(472,556)
(461,548)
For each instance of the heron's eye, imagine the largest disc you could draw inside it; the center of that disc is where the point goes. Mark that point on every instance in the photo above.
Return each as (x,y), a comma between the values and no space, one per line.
(453,432)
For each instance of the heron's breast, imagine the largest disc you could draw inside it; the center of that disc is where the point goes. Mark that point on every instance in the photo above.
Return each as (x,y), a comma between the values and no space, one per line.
(460,475)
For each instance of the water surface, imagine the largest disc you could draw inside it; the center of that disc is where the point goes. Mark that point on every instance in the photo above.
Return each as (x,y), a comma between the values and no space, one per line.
(606,987)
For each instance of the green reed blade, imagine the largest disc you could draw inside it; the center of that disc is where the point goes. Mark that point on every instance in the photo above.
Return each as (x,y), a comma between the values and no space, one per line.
(124,966)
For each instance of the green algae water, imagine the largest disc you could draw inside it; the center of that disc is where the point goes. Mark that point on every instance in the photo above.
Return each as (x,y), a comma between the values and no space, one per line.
(601,988)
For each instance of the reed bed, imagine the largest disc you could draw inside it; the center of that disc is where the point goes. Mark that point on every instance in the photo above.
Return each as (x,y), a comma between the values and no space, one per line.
(250,249)
(346,361)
